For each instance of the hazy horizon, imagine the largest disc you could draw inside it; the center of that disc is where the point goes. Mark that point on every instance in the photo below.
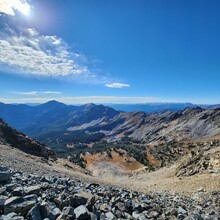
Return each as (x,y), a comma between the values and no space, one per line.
(106,103)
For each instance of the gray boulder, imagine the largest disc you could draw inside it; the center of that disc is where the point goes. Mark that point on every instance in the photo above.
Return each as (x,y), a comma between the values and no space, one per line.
(5,174)
(82,213)
(33,190)
(18,191)
(67,213)
(34,213)
(108,216)
(81,199)
(46,210)
(18,205)
(11,216)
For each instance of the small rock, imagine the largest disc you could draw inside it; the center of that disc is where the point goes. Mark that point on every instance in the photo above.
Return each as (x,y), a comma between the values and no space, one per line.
(3,190)
(35,213)
(12,216)
(105,207)
(18,205)
(120,206)
(56,212)
(181,210)
(10,186)
(5,174)
(45,209)
(33,190)
(2,202)
(67,213)
(135,214)
(82,213)
(18,191)
(127,216)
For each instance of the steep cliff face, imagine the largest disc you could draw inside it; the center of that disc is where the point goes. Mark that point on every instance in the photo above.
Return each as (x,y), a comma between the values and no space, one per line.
(18,140)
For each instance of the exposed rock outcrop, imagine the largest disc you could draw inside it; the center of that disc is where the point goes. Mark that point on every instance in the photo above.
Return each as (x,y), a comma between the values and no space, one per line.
(196,162)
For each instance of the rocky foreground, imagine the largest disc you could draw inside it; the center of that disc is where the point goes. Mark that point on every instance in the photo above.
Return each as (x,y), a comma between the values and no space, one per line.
(35,197)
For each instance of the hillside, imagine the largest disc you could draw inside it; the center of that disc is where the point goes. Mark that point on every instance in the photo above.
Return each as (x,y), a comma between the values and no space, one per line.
(20,141)
(60,190)
(188,124)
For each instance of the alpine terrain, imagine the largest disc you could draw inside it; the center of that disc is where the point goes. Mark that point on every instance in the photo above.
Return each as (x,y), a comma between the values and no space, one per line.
(108,164)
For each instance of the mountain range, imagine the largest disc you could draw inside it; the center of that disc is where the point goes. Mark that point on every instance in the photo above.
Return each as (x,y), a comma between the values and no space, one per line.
(156,107)
(57,124)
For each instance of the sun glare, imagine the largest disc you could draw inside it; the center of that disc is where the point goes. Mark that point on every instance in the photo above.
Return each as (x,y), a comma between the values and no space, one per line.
(10,6)
(21,6)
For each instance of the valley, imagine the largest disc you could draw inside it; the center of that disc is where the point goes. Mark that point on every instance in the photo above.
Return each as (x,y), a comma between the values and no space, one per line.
(90,134)
(163,155)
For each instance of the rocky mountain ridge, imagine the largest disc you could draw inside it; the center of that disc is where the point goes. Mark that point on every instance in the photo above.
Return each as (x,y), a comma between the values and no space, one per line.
(154,107)
(52,116)
(188,124)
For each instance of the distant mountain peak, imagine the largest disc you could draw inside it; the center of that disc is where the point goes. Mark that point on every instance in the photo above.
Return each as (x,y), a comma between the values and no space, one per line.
(89,105)
(53,103)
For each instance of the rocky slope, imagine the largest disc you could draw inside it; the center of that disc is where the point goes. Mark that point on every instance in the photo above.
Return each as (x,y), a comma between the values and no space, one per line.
(31,188)
(35,197)
(201,160)
(188,124)
(18,140)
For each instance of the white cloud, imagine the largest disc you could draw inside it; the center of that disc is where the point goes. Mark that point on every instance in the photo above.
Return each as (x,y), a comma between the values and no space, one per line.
(84,99)
(25,51)
(52,93)
(35,54)
(31,93)
(117,85)
(37,93)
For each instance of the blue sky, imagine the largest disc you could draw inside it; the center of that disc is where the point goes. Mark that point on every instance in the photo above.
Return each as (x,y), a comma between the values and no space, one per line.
(110,51)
